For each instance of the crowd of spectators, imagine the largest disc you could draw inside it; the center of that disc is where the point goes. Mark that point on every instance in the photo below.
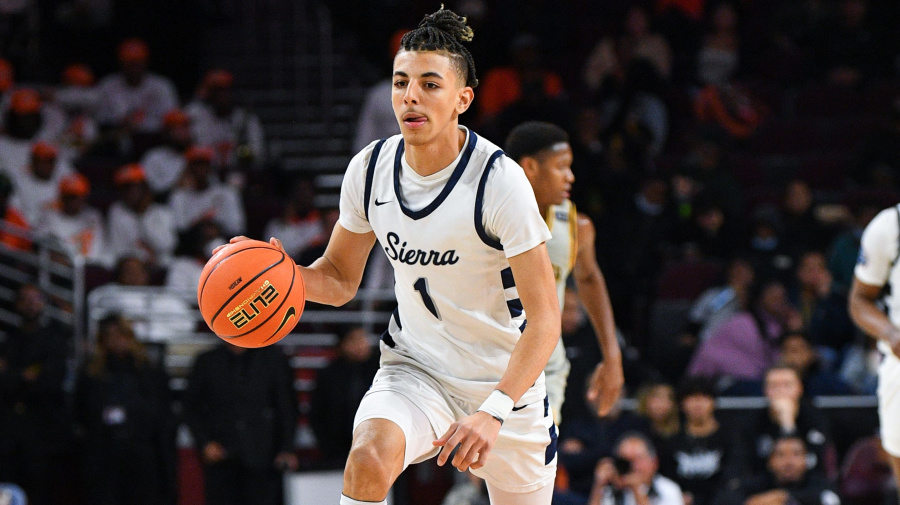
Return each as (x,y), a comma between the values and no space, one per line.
(729,153)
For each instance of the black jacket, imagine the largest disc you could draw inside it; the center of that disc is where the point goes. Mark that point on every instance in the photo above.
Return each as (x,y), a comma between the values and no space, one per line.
(246,402)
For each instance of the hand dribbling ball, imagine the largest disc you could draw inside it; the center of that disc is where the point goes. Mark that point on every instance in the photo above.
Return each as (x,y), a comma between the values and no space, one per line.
(251,293)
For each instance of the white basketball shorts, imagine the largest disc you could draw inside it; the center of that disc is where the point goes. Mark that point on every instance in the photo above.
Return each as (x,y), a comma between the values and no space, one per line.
(889,403)
(523,458)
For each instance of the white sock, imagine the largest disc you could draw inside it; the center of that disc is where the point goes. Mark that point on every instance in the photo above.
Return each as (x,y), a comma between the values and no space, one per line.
(346,500)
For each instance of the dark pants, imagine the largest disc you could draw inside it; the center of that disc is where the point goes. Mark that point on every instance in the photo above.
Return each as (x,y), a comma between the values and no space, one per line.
(231,483)
(127,474)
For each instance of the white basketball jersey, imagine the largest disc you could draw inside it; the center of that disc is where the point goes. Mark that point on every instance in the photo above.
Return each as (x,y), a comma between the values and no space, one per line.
(563,246)
(459,315)
(878,262)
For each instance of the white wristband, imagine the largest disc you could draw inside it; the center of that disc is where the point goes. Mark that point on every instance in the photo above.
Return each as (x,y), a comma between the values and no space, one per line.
(498,405)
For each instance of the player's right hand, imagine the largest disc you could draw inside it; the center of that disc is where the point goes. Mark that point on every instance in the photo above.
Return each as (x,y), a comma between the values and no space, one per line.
(474,435)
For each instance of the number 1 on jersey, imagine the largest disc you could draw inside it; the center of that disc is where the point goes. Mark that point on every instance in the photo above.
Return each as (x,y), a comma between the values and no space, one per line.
(421,286)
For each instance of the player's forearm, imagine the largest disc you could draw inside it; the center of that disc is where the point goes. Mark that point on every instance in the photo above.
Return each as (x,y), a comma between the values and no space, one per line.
(870,318)
(530,356)
(595,298)
(325,284)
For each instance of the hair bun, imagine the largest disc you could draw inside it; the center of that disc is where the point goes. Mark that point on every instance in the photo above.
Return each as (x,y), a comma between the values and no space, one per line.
(449,22)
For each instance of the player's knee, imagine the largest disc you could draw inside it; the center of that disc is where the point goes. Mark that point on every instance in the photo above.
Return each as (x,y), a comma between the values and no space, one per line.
(368,466)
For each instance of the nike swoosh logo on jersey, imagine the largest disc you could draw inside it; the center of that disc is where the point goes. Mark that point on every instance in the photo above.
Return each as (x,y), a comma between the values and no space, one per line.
(378,204)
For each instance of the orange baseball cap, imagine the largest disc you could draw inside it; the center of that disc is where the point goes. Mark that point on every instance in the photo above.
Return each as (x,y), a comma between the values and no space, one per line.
(130,174)
(78,74)
(7,75)
(176,117)
(74,184)
(218,79)
(197,153)
(133,51)
(25,101)
(44,151)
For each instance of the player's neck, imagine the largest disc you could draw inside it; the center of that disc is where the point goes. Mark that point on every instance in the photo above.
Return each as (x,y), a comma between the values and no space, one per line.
(431,158)
(544,208)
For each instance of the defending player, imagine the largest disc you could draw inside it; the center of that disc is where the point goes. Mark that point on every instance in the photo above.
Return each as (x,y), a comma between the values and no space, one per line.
(876,269)
(458,220)
(543,151)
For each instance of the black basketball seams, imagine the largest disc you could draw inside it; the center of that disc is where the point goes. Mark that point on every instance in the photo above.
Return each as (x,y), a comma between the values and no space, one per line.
(202,289)
(212,320)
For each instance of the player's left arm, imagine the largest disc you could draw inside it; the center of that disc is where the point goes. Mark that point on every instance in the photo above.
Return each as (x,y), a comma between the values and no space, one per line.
(608,378)
(475,434)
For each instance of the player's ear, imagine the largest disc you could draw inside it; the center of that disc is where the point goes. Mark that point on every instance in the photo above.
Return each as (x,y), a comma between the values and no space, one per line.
(530,166)
(466,96)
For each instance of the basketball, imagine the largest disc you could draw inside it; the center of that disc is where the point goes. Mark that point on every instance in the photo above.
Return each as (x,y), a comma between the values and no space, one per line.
(251,294)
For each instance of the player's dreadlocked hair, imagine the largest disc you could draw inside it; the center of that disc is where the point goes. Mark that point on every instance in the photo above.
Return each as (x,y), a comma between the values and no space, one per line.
(444,31)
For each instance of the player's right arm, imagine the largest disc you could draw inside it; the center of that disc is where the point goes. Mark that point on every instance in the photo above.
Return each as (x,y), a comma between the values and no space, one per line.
(878,248)
(334,278)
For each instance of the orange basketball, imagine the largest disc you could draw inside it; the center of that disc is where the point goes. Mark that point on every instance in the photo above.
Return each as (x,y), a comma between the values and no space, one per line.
(251,294)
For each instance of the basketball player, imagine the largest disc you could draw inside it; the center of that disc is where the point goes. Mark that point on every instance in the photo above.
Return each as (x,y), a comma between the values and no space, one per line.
(543,151)
(461,368)
(876,270)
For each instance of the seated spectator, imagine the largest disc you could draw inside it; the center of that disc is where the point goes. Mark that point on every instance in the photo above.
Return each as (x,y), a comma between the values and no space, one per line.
(33,413)
(204,198)
(138,226)
(657,403)
(36,184)
(194,249)
(76,226)
(824,310)
(14,229)
(703,455)
(78,97)
(850,50)
(729,109)
(158,316)
(844,249)
(790,413)
(859,367)
(798,352)
(631,476)
(611,55)
(164,164)
(134,99)
(234,133)
(123,405)
(802,230)
(717,305)
(339,388)
(583,442)
(786,480)
(743,347)
(504,86)
(719,56)
(635,114)
(300,225)
(27,120)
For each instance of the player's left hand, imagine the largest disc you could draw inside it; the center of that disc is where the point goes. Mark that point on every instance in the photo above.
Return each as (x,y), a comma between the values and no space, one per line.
(606,386)
(475,435)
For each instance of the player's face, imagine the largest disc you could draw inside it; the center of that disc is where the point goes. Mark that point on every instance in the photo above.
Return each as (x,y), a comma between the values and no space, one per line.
(554,178)
(428,95)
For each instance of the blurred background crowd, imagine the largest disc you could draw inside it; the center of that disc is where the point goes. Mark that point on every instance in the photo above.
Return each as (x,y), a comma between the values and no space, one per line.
(729,153)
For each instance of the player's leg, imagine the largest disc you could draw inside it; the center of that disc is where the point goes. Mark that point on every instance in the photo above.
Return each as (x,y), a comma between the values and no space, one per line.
(542,496)
(889,410)
(391,432)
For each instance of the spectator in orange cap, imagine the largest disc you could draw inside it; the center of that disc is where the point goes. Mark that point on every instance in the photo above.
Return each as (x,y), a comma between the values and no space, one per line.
(164,164)
(37,182)
(78,97)
(205,198)
(14,228)
(134,98)
(27,119)
(233,132)
(138,226)
(77,227)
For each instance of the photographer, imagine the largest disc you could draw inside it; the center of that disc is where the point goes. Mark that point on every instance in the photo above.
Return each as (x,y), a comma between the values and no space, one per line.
(631,478)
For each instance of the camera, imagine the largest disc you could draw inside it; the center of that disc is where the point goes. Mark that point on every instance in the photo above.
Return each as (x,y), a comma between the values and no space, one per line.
(622,465)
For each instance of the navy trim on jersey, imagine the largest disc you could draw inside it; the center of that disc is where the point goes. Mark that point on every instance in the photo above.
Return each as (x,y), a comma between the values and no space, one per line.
(522,328)
(479,205)
(506,276)
(396,316)
(454,178)
(370,174)
(387,339)
(550,452)
(515,307)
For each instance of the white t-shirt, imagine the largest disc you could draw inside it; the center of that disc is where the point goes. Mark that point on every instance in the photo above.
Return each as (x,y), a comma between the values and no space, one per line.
(163,167)
(219,202)
(133,234)
(150,100)
(459,315)
(877,252)
(82,234)
(224,135)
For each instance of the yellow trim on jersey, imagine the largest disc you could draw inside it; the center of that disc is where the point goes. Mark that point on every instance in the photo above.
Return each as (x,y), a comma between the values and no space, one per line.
(550,217)
(573,231)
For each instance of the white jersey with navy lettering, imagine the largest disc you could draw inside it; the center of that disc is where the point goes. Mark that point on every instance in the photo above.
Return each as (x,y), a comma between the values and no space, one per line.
(449,236)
